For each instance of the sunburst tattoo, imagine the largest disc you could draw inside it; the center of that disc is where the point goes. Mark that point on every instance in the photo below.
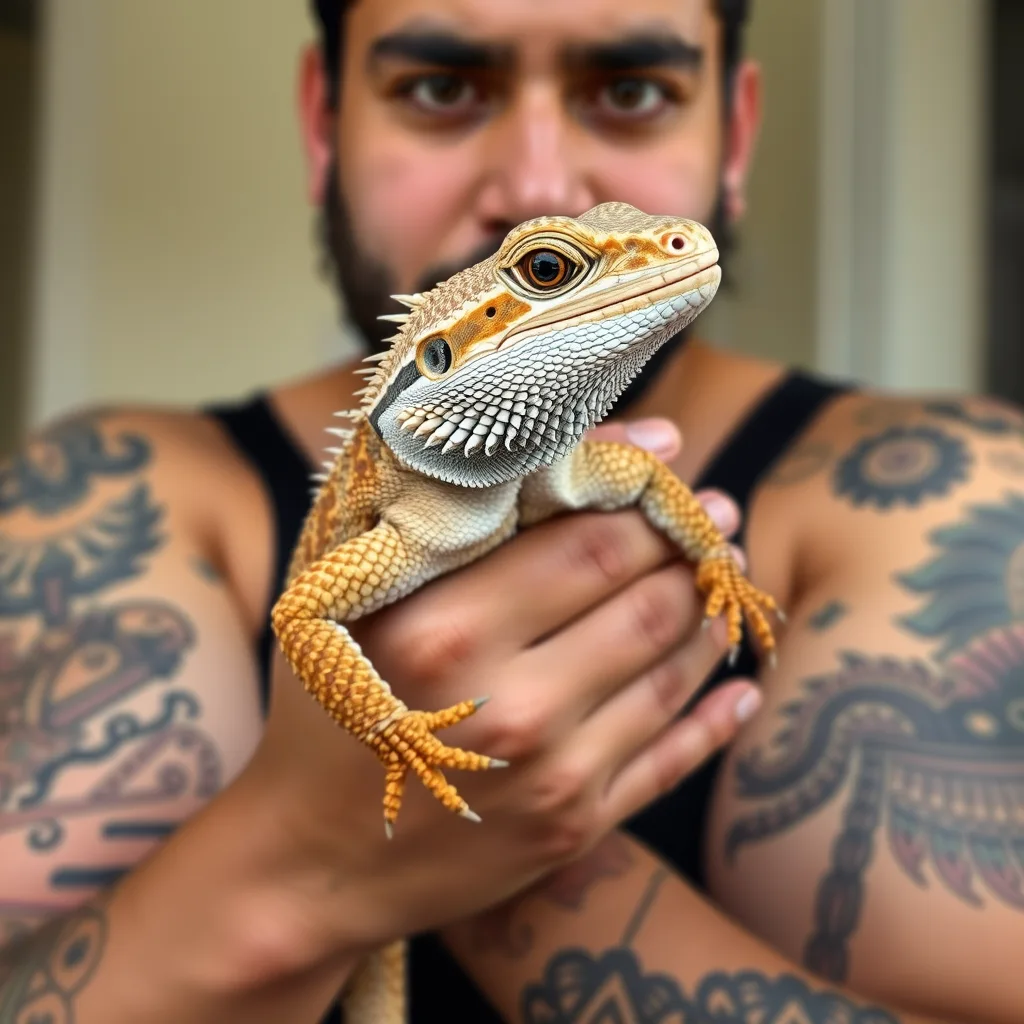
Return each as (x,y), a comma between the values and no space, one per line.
(903,465)
(977,583)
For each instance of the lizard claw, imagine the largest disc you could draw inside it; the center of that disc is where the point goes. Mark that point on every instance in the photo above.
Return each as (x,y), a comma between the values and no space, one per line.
(728,592)
(408,742)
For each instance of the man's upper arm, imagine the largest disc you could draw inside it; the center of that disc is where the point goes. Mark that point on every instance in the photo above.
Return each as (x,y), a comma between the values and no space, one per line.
(127,692)
(882,785)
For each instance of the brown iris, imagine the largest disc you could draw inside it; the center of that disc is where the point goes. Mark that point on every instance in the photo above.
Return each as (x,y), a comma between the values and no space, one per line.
(544,268)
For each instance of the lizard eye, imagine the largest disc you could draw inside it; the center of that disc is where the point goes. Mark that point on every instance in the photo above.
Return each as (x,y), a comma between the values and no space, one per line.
(435,357)
(545,269)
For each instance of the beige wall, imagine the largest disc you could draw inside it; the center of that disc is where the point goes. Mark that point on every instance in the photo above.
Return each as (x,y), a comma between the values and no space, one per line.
(176,258)
(771,312)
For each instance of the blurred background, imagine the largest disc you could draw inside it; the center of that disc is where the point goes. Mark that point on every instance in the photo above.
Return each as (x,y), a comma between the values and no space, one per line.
(156,245)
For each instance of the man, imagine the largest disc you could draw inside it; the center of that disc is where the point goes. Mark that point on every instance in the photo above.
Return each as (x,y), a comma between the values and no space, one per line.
(856,855)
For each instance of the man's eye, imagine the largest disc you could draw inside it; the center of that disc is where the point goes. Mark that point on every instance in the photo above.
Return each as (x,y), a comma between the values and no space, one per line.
(441,93)
(631,97)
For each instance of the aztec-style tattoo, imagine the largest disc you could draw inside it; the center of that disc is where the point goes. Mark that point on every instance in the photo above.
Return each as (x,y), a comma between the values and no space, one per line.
(994,425)
(827,616)
(581,988)
(55,470)
(40,975)
(498,930)
(902,465)
(58,692)
(936,753)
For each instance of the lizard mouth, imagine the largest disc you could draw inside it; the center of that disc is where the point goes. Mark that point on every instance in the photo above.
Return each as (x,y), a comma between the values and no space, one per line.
(692,275)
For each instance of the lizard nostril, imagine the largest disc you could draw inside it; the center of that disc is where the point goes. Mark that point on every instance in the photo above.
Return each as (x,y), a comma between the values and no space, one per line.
(677,242)
(491,311)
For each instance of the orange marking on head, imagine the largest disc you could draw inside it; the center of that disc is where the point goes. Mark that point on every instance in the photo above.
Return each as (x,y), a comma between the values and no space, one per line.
(488,319)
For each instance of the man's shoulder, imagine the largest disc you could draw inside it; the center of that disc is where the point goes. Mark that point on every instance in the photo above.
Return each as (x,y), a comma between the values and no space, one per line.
(182,450)
(885,471)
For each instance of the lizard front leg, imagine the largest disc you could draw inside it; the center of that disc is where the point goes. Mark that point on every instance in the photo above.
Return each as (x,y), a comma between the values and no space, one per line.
(356,578)
(607,475)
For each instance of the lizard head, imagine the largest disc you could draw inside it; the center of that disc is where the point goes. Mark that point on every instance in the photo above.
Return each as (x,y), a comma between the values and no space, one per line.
(503,367)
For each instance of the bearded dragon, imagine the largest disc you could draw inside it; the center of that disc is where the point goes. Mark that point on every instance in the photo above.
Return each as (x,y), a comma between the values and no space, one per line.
(470,428)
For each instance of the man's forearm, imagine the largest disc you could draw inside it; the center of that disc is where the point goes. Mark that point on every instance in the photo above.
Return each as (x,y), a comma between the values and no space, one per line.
(212,928)
(622,932)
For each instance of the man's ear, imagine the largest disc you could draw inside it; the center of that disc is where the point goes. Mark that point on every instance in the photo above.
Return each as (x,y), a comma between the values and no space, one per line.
(741,138)
(316,119)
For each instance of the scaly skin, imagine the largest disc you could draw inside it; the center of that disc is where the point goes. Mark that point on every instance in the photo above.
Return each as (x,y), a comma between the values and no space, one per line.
(470,429)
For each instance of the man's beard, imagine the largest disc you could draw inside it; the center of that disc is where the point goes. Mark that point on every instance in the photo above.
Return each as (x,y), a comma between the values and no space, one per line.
(365,285)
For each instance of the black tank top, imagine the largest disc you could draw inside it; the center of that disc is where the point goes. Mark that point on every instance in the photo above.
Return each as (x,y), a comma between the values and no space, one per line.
(674,825)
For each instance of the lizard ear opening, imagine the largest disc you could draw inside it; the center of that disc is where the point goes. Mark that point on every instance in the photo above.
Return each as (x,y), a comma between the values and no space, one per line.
(434,357)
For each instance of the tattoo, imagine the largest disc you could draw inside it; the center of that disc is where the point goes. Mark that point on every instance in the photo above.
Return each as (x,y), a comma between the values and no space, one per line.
(57,692)
(800,464)
(827,616)
(902,465)
(41,976)
(938,757)
(206,569)
(1010,463)
(936,754)
(993,425)
(581,988)
(55,471)
(498,929)
(976,583)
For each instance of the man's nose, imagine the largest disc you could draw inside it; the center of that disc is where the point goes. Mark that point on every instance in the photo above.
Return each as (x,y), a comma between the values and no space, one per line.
(533,170)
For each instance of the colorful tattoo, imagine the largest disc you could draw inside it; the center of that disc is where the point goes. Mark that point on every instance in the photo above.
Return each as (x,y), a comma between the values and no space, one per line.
(936,754)
(902,465)
(59,692)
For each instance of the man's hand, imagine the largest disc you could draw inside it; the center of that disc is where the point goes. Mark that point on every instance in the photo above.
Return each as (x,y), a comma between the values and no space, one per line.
(585,633)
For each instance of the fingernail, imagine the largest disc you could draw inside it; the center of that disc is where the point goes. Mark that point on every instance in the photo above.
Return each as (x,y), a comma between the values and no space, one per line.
(656,436)
(720,509)
(747,705)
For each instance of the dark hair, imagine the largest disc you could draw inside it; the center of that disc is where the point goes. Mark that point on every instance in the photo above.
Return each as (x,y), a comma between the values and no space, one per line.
(328,13)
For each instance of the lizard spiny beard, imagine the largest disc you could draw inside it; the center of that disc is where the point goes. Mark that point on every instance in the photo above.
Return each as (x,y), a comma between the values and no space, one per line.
(513,411)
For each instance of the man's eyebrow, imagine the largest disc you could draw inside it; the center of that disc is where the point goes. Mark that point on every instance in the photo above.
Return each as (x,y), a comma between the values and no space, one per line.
(635,52)
(445,49)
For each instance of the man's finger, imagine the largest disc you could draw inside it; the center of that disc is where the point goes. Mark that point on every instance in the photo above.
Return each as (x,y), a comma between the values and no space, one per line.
(658,436)
(635,716)
(680,750)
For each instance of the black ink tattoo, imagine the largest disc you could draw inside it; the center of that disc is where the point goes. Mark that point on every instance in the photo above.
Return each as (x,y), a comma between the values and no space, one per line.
(581,988)
(206,569)
(43,577)
(902,466)
(55,471)
(976,583)
(499,929)
(827,616)
(40,976)
(937,757)
(58,692)
(994,425)
(799,464)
